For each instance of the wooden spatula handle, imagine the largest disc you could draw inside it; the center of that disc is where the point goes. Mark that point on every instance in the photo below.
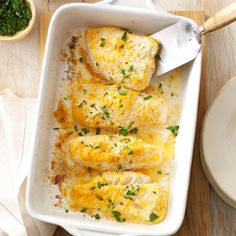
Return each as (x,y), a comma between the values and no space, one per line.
(222,18)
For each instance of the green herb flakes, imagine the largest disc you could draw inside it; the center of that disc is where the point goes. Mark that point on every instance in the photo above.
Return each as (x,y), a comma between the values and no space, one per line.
(82,103)
(123,131)
(66,211)
(85,131)
(134,130)
(160,85)
(153,217)
(158,57)
(97,217)
(147,97)
(102,42)
(117,216)
(131,68)
(55,128)
(124,36)
(119,167)
(98,131)
(83,210)
(81,59)
(122,91)
(15,16)
(99,198)
(174,129)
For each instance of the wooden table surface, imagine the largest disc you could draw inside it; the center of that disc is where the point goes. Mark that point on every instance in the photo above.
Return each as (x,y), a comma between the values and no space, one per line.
(20,70)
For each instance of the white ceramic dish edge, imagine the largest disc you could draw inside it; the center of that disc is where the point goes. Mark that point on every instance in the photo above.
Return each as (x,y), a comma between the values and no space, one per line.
(184,145)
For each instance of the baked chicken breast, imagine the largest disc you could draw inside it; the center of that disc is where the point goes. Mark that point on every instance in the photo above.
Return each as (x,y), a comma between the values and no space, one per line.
(122,57)
(96,105)
(114,152)
(121,194)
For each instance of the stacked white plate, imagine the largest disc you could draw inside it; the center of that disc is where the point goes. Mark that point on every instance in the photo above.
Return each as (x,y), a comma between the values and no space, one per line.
(218,143)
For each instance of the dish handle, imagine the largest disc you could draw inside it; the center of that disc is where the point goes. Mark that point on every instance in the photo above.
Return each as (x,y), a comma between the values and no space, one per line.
(78,232)
(148,4)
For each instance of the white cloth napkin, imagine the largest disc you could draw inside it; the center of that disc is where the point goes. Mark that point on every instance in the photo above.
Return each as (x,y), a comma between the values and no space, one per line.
(16,130)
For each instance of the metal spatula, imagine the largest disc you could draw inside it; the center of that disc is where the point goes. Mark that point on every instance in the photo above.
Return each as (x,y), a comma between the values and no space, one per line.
(181,42)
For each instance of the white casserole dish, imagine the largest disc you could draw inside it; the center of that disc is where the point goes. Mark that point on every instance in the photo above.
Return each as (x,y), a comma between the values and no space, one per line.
(135,19)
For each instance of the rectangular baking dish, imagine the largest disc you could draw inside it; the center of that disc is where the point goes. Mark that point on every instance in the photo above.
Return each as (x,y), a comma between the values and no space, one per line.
(138,20)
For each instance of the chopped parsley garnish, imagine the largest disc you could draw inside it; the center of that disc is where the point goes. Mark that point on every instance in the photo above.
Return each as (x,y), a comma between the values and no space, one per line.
(110,136)
(85,131)
(82,103)
(66,211)
(85,91)
(75,128)
(172,94)
(97,217)
(154,192)
(99,198)
(119,167)
(81,59)
(159,172)
(100,185)
(117,216)
(83,210)
(55,128)
(122,46)
(153,217)
(147,97)
(105,112)
(130,151)
(123,131)
(93,106)
(97,64)
(124,36)
(132,191)
(14,16)
(122,91)
(174,129)
(158,57)
(134,130)
(122,71)
(131,68)
(160,85)
(102,42)
(65,98)
(69,133)
(99,173)
(98,131)
(92,188)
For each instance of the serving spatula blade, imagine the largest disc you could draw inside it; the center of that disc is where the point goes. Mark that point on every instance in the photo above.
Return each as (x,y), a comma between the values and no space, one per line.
(180,43)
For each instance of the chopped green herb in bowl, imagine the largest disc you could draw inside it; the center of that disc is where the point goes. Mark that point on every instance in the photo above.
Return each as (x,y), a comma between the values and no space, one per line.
(16,19)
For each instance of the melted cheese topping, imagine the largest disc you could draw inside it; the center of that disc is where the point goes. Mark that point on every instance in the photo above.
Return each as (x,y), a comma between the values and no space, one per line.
(76,168)
(113,152)
(97,105)
(123,58)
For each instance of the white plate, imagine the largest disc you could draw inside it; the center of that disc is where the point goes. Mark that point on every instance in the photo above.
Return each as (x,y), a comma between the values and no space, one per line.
(219,143)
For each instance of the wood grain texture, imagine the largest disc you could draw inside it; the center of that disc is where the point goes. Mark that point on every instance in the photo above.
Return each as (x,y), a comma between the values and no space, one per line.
(222,18)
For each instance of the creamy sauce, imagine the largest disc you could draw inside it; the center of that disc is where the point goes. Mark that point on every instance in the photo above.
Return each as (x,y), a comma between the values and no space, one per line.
(64,172)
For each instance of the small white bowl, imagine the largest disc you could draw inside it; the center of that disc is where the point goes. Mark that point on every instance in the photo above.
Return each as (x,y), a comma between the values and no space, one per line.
(218,143)
(21,34)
